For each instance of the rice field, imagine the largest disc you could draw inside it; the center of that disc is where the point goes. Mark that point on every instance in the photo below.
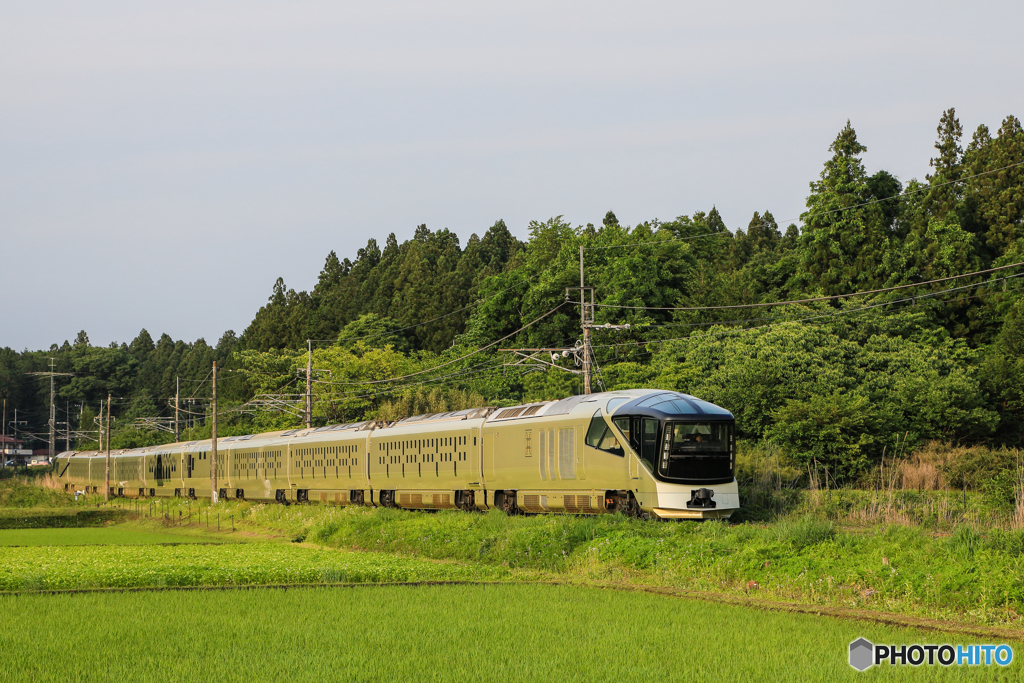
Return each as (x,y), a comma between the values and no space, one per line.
(509,632)
(504,627)
(115,535)
(231,564)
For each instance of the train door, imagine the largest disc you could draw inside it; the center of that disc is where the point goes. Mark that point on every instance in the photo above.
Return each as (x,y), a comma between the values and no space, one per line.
(631,427)
(488,454)
(647,435)
(159,473)
(474,450)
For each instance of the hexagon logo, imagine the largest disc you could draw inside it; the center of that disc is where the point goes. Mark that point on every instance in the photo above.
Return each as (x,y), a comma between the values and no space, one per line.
(861,654)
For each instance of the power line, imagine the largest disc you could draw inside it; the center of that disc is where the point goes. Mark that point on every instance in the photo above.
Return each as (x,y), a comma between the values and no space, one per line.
(394,390)
(333,399)
(830,314)
(456,360)
(668,241)
(819,298)
(425,322)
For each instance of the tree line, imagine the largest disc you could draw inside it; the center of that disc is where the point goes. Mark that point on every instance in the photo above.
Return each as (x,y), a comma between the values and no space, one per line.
(398,330)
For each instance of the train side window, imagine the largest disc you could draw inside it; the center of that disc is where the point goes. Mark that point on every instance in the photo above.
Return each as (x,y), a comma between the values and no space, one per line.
(601,437)
(543,455)
(623,424)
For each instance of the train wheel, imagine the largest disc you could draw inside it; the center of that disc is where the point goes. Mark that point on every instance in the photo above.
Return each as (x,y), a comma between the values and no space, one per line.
(631,508)
(387,499)
(508,503)
(465,500)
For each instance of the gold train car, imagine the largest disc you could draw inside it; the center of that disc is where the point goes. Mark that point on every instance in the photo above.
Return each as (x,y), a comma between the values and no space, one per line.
(644,452)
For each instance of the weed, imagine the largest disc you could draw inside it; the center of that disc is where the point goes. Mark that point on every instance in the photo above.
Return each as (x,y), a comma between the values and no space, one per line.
(964,542)
(804,531)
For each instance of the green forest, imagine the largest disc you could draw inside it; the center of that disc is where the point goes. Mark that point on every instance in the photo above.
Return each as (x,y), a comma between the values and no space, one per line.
(406,328)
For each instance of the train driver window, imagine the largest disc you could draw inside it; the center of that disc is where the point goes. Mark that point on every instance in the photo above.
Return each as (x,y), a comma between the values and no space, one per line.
(649,446)
(601,437)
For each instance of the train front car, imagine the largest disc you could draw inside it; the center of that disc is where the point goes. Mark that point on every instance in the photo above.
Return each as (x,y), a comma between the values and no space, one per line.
(686,449)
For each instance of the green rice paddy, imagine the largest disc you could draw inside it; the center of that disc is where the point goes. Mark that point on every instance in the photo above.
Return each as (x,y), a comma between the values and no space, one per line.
(114,535)
(230,564)
(503,633)
(492,621)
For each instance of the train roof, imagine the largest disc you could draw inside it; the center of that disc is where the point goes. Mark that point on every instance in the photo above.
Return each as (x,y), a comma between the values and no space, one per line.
(667,404)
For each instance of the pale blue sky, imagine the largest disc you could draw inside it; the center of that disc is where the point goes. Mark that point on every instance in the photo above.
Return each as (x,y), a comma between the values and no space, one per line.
(162,163)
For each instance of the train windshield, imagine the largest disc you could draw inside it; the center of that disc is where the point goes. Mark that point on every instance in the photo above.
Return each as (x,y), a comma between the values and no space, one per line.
(696,452)
(706,438)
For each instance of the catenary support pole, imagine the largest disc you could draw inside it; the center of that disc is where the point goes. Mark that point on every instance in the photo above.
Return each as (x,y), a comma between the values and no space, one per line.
(586,329)
(53,415)
(106,468)
(177,390)
(309,385)
(213,441)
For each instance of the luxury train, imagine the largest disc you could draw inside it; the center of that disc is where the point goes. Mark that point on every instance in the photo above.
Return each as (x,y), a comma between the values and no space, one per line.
(643,452)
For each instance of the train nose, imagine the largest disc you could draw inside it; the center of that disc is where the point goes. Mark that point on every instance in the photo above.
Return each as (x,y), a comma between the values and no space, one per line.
(701,498)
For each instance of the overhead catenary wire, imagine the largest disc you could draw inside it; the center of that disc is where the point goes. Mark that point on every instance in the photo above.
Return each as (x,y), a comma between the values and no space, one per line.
(832,297)
(830,314)
(647,326)
(460,358)
(336,398)
(332,398)
(668,241)
(425,322)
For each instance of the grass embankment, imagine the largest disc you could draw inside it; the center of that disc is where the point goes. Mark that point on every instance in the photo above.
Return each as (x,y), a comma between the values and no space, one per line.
(434,633)
(967,576)
(938,568)
(41,493)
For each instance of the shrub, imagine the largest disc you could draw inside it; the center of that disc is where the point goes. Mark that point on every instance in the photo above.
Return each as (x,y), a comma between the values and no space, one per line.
(837,431)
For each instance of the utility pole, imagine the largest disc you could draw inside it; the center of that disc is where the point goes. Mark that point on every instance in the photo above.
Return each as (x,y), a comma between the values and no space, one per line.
(177,390)
(309,385)
(53,418)
(584,309)
(99,437)
(67,434)
(3,461)
(14,436)
(53,408)
(106,468)
(582,352)
(213,440)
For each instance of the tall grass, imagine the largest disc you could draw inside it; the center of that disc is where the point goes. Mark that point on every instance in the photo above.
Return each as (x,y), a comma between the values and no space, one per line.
(42,492)
(1018,493)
